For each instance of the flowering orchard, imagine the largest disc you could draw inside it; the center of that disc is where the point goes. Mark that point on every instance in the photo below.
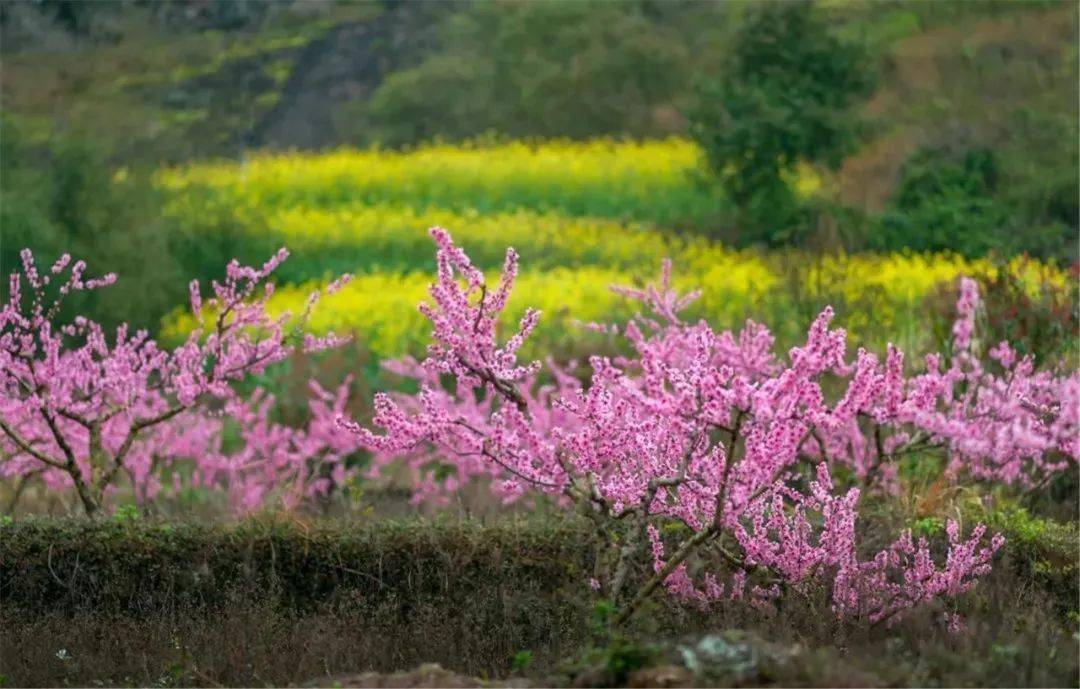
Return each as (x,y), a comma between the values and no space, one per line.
(81,412)
(710,435)
(716,434)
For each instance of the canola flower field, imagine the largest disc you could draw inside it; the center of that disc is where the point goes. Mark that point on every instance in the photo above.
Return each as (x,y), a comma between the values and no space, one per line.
(583,216)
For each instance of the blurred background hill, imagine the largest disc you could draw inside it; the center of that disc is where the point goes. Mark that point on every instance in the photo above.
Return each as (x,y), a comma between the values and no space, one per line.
(167,81)
(829,127)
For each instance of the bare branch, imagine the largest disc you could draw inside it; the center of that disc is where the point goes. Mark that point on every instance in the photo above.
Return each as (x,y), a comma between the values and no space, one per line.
(26,447)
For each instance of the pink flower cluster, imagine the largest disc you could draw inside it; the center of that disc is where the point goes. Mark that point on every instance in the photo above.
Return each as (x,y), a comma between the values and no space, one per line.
(714,432)
(271,460)
(80,411)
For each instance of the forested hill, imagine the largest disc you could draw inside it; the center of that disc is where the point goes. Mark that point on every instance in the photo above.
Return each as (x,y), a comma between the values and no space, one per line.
(972,103)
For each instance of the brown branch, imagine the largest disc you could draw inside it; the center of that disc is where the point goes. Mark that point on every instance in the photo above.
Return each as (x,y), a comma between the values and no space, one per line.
(508,391)
(480,307)
(729,464)
(60,439)
(26,447)
(140,424)
(77,418)
(684,551)
(631,546)
(690,545)
(485,452)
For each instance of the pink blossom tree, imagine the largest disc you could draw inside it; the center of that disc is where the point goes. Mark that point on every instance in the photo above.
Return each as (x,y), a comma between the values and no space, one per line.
(272,460)
(714,436)
(79,411)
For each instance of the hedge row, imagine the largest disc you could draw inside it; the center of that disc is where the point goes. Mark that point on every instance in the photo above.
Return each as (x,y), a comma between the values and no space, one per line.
(134,565)
(138,566)
(136,603)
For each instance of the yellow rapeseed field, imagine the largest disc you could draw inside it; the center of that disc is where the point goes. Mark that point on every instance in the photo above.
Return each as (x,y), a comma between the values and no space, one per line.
(653,180)
(583,215)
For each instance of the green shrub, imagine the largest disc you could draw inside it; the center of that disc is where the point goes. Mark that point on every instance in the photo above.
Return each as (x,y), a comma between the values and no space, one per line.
(947,203)
(1040,553)
(126,564)
(136,602)
(972,202)
(67,198)
(577,69)
(785,96)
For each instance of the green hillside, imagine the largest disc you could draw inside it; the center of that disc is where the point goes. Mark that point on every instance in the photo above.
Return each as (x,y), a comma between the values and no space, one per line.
(166,83)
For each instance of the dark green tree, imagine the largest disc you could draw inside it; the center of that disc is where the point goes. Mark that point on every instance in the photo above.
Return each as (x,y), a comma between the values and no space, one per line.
(542,69)
(63,196)
(786,93)
(947,202)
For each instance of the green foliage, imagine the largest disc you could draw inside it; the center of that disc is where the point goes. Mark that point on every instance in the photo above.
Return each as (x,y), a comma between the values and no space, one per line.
(538,69)
(603,613)
(948,202)
(445,96)
(1039,551)
(1041,174)
(66,197)
(128,564)
(609,663)
(785,96)
(622,656)
(778,82)
(996,113)
(1043,323)
(920,468)
(521,661)
(126,514)
(928,526)
(284,603)
(1051,538)
(884,26)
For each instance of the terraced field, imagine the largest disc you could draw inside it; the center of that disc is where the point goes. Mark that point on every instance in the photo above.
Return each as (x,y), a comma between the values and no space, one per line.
(583,216)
